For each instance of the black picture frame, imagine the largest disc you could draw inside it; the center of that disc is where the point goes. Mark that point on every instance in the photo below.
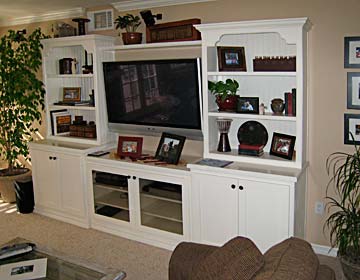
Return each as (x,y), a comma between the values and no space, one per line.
(248,105)
(352,129)
(231,58)
(170,148)
(353,90)
(352,52)
(282,145)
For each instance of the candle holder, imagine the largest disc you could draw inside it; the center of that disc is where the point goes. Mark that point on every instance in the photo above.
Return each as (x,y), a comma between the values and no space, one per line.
(224,127)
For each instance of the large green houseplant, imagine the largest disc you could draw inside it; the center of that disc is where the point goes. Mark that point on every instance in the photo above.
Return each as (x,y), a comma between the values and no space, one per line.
(225,94)
(344,208)
(130,23)
(21,97)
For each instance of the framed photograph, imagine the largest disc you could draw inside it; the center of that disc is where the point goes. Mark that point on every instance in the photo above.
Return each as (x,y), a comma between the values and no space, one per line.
(129,146)
(231,58)
(353,90)
(170,148)
(352,129)
(248,105)
(352,52)
(282,145)
(71,94)
(32,269)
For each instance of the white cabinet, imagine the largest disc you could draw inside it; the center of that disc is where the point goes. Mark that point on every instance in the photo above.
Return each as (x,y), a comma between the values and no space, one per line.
(58,177)
(231,202)
(261,38)
(143,202)
(86,50)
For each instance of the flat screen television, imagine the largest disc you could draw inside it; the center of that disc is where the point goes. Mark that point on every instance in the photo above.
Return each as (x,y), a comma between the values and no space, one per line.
(154,96)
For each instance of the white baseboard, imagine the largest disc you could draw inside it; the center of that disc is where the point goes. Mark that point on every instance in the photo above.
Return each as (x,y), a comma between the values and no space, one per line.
(324,250)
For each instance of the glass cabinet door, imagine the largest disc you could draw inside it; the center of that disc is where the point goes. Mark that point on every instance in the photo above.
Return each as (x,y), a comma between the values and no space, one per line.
(161,205)
(111,197)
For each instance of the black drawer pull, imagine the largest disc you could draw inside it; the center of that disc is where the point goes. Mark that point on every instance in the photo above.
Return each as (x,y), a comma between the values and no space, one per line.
(241,188)
(233,186)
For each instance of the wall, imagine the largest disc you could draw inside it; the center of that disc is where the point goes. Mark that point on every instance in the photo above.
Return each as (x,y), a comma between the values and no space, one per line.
(331,21)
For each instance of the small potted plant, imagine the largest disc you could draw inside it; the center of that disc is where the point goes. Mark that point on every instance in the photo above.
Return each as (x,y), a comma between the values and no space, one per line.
(225,94)
(344,220)
(130,23)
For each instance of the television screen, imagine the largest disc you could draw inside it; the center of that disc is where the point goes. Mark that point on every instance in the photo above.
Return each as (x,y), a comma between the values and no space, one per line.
(154,93)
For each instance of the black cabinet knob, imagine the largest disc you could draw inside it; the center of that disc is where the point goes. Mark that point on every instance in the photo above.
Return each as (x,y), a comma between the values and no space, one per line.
(54,158)
(241,188)
(134,177)
(50,158)
(128,176)
(233,186)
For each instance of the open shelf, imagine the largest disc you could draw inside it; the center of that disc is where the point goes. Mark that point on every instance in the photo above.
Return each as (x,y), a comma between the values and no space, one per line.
(236,73)
(267,116)
(53,76)
(84,108)
(113,199)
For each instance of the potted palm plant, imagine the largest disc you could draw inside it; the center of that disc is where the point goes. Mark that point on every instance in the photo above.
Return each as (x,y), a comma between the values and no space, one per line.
(344,220)
(130,23)
(21,102)
(225,94)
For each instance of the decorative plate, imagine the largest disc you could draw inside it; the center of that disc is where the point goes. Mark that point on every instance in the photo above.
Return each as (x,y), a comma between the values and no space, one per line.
(252,133)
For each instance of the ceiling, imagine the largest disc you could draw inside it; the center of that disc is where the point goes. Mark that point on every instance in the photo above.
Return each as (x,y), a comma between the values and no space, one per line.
(14,12)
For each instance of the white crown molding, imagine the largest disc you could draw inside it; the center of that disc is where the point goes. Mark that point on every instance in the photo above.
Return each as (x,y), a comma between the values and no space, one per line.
(76,12)
(144,4)
(324,250)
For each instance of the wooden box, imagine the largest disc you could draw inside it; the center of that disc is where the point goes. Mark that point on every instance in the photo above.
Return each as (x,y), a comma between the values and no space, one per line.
(277,63)
(173,31)
(86,131)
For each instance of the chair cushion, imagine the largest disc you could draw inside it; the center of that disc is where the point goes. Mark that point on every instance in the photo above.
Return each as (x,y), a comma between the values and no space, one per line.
(291,259)
(238,259)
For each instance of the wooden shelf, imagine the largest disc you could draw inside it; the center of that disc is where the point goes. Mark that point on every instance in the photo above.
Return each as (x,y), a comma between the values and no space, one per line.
(181,44)
(267,116)
(164,210)
(110,187)
(234,73)
(113,199)
(158,223)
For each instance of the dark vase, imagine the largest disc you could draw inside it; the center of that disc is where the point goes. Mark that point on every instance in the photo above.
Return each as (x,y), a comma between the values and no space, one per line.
(229,104)
(130,38)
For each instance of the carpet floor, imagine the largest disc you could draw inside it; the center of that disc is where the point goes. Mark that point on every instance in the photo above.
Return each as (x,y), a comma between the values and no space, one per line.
(138,260)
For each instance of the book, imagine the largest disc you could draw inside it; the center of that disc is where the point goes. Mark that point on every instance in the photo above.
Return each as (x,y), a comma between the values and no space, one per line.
(257,147)
(293,92)
(214,162)
(251,153)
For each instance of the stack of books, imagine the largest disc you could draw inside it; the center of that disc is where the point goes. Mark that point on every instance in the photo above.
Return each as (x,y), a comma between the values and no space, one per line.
(251,150)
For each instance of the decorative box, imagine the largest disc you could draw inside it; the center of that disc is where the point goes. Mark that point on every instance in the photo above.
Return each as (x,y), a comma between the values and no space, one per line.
(275,63)
(86,131)
(173,31)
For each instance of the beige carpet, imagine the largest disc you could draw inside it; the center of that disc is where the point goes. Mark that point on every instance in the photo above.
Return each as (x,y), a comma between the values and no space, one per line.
(139,261)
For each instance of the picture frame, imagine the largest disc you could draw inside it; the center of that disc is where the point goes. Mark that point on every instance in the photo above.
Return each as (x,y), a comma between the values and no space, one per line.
(282,145)
(353,90)
(352,52)
(72,94)
(352,129)
(23,270)
(248,105)
(129,146)
(231,58)
(170,148)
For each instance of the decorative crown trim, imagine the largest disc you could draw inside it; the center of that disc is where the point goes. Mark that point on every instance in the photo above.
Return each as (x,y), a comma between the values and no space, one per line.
(142,4)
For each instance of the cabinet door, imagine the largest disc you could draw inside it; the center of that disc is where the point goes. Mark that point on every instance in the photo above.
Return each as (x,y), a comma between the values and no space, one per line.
(46,186)
(72,186)
(264,212)
(216,208)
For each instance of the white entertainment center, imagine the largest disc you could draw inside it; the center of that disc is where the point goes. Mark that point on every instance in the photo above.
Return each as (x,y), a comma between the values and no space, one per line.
(259,197)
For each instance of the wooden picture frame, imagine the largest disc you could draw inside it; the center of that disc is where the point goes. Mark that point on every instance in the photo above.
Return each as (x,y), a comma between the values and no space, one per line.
(248,105)
(231,58)
(353,90)
(282,145)
(352,129)
(352,52)
(129,146)
(71,94)
(170,148)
